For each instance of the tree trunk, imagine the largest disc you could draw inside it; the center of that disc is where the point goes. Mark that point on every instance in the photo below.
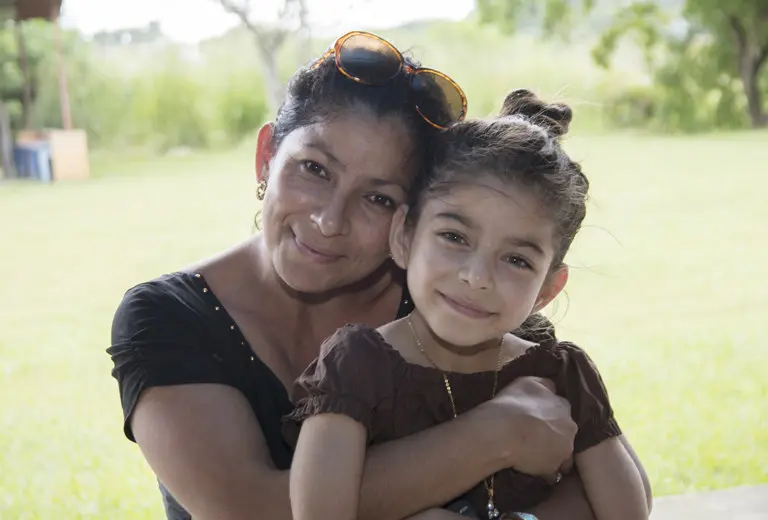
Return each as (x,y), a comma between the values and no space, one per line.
(66,112)
(268,41)
(750,77)
(26,79)
(6,143)
(275,90)
(751,58)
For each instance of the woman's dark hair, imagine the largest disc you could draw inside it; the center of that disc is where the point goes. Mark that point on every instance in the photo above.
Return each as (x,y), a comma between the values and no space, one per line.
(318,92)
(520,146)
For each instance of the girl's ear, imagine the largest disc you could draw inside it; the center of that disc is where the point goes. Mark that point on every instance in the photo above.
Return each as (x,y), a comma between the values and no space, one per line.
(554,284)
(399,238)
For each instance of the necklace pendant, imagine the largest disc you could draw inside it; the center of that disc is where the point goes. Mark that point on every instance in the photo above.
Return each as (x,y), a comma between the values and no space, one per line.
(493,513)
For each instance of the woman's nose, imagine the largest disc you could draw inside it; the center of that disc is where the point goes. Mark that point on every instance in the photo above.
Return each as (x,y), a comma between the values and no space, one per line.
(331,219)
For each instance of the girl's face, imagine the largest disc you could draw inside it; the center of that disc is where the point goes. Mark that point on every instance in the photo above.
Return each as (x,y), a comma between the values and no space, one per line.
(332,189)
(478,260)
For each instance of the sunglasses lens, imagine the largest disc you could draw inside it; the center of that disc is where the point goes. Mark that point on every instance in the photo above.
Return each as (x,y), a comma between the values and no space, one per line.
(368,59)
(438,99)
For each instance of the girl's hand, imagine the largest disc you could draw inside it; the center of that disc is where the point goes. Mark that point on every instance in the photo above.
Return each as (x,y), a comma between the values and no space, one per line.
(535,426)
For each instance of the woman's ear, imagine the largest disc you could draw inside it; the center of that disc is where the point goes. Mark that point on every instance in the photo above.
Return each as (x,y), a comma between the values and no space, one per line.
(399,238)
(264,152)
(553,285)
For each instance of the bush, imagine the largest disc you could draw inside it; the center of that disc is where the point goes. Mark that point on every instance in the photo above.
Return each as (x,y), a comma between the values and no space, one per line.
(159,98)
(634,107)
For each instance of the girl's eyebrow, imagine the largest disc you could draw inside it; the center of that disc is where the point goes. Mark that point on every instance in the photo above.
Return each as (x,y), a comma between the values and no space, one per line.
(528,244)
(462,219)
(515,241)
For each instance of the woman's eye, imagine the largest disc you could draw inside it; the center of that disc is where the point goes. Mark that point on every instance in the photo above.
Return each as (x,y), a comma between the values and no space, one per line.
(519,262)
(381,200)
(452,237)
(314,168)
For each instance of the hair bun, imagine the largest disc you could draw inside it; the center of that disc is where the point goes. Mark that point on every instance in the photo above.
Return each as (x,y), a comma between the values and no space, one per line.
(555,118)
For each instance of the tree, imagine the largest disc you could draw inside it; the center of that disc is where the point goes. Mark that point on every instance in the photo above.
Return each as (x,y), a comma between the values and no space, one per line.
(716,42)
(292,18)
(22,48)
(740,26)
(554,15)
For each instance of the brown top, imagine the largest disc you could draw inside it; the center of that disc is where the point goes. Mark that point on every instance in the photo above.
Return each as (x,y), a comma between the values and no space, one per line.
(360,375)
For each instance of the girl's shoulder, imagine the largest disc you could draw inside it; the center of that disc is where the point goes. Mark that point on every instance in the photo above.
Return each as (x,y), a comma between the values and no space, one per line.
(352,376)
(357,342)
(354,356)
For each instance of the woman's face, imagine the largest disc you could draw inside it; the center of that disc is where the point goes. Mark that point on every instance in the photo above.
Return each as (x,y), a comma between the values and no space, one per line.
(332,189)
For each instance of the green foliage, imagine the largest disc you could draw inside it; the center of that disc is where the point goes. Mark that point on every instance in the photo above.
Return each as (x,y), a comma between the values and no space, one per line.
(158,96)
(37,42)
(696,69)
(488,64)
(554,15)
(640,20)
(158,99)
(705,58)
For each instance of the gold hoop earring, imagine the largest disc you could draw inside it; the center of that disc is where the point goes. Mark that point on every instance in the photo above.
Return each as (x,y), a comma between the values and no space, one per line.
(261,190)
(257,221)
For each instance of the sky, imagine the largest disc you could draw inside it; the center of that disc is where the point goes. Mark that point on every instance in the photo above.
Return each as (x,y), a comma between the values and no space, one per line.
(201,19)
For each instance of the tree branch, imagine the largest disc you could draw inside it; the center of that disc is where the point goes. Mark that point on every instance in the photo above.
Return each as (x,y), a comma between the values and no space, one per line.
(242,13)
(761,58)
(268,40)
(738,32)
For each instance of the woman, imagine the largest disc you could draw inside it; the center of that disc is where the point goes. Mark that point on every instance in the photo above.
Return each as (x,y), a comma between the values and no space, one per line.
(205,358)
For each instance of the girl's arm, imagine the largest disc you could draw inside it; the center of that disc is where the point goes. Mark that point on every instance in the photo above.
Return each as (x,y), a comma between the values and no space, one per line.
(569,500)
(612,482)
(641,470)
(327,468)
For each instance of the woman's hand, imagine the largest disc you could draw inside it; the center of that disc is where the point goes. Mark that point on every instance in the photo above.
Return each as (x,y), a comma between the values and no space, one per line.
(535,426)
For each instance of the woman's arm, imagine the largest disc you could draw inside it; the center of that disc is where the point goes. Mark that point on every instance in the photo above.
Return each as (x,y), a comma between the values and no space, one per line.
(612,482)
(567,502)
(205,445)
(327,468)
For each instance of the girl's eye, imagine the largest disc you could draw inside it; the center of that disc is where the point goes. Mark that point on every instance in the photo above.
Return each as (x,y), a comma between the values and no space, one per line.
(519,262)
(314,168)
(381,200)
(452,237)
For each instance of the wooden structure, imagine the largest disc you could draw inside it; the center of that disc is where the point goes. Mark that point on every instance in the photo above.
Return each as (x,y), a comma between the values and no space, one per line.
(20,11)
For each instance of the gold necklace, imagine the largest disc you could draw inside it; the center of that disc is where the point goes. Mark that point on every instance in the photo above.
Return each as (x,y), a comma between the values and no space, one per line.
(493,513)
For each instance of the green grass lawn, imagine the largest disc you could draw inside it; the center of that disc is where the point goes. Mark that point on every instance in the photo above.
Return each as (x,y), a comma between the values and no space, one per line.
(668,294)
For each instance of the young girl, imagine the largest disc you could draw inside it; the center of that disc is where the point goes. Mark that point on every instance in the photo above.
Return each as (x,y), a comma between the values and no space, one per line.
(483,242)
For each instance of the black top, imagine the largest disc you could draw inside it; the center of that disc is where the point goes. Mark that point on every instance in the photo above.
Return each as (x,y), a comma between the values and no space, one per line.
(173,330)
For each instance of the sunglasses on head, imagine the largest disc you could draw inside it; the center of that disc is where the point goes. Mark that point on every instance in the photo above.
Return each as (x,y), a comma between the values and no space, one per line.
(370,60)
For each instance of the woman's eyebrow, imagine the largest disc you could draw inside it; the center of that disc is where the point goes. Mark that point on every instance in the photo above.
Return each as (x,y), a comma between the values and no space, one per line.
(323,148)
(378,181)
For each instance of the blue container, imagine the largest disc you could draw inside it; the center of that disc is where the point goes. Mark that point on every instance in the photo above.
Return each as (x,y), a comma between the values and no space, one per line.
(33,161)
